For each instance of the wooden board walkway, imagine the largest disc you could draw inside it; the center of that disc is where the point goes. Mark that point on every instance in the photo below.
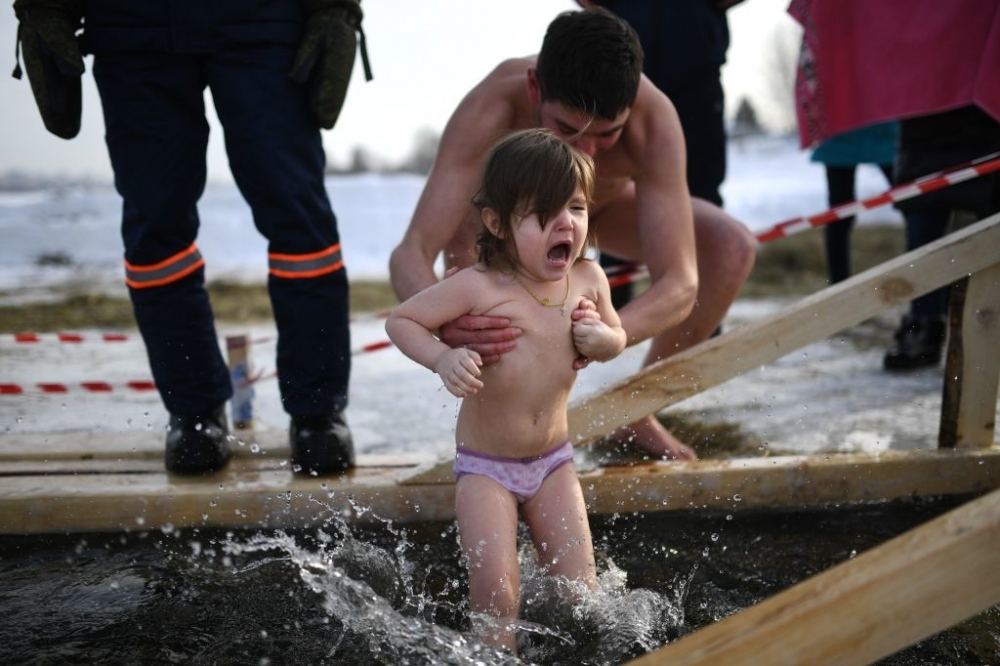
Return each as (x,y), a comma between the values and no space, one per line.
(88,482)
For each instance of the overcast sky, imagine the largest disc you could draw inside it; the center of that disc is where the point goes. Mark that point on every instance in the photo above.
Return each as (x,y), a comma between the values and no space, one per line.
(425,56)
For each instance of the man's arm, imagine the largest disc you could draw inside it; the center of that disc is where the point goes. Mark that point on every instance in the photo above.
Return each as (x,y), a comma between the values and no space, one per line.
(440,213)
(664,219)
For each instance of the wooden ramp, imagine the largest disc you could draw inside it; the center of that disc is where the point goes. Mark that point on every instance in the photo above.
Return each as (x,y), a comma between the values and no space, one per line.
(84,482)
(869,607)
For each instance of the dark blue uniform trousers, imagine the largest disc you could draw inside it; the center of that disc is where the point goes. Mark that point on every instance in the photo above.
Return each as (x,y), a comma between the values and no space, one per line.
(157,136)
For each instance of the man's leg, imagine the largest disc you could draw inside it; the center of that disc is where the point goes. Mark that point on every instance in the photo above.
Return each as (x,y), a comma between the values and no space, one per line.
(726,251)
(277,160)
(157,135)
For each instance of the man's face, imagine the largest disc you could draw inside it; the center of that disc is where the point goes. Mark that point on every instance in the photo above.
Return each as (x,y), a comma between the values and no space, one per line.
(581,130)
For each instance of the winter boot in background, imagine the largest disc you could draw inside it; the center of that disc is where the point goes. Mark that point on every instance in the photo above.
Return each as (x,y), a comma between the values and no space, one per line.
(918,344)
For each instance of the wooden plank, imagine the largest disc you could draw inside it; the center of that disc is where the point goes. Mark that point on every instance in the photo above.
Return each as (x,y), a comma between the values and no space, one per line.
(914,586)
(816,317)
(240,497)
(972,369)
(789,481)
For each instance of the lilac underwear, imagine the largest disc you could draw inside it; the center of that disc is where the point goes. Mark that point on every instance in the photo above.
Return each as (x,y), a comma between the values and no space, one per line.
(521,476)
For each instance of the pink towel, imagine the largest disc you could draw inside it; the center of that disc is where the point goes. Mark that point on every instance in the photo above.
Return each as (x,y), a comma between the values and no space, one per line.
(867,61)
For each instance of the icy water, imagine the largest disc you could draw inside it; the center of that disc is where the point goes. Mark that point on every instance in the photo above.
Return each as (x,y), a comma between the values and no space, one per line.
(390,595)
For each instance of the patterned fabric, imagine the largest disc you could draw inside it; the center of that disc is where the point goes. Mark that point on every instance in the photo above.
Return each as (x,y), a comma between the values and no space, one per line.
(864,62)
(521,476)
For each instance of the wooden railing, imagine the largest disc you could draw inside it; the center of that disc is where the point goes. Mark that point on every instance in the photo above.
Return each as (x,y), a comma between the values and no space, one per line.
(973,369)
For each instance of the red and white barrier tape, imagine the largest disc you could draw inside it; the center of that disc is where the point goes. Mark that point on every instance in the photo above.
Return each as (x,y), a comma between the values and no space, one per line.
(72,338)
(144,385)
(74,387)
(935,181)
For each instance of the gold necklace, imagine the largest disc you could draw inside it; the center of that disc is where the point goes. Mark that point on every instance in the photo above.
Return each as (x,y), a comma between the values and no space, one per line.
(545,301)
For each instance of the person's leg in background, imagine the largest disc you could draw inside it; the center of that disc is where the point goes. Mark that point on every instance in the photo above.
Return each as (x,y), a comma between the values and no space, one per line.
(837,235)
(157,136)
(921,333)
(277,159)
(928,144)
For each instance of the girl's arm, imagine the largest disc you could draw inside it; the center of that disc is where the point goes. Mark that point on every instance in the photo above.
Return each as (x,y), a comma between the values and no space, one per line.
(599,338)
(411,323)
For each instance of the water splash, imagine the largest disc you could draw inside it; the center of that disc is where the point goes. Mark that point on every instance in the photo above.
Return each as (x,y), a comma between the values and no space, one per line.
(608,625)
(388,613)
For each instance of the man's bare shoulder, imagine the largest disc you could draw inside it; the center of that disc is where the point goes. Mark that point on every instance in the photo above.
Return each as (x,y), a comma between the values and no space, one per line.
(510,73)
(497,104)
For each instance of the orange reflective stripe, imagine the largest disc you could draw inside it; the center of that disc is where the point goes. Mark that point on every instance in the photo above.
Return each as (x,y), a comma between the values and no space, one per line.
(169,270)
(310,265)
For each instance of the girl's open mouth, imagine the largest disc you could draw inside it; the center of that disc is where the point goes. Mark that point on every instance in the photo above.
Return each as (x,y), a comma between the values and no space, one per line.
(559,254)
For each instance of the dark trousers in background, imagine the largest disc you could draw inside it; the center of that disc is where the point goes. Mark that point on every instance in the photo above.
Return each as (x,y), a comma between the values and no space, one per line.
(840,181)
(685,44)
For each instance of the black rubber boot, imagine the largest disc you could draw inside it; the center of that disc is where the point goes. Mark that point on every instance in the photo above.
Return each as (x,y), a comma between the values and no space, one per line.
(321,445)
(918,344)
(198,444)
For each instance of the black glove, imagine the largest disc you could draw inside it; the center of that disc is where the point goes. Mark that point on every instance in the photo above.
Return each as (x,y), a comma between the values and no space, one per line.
(46,35)
(326,56)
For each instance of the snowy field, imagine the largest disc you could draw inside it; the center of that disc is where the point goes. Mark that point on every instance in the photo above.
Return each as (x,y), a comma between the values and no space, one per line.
(769,181)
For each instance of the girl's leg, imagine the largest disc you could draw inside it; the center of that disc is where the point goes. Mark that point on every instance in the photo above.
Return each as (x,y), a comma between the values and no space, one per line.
(557,519)
(487,528)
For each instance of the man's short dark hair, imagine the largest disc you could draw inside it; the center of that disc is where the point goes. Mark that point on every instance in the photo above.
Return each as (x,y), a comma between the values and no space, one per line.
(590,61)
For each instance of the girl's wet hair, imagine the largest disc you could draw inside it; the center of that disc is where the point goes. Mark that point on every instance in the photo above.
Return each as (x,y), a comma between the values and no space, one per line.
(531,171)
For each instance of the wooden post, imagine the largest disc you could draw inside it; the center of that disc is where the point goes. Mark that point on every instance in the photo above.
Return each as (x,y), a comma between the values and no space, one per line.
(241,405)
(872,606)
(972,366)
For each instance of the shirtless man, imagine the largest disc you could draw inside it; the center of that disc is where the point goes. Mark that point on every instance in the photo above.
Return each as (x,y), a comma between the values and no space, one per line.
(586,86)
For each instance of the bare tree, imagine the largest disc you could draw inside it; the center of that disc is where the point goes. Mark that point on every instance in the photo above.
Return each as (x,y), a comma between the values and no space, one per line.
(425,147)
(745,122)
(362,161)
